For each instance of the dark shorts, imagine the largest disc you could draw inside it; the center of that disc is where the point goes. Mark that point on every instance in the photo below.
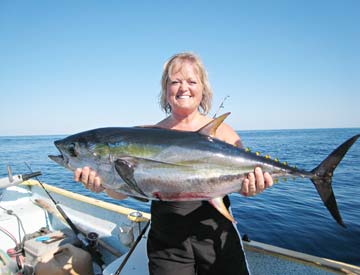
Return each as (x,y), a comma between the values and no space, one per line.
(193,238)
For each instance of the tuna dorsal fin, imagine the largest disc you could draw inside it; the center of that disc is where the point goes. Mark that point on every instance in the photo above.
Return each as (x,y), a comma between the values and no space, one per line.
(210,128)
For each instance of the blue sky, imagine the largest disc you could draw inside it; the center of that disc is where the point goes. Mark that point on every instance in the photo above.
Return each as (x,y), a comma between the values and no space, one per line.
(68,66)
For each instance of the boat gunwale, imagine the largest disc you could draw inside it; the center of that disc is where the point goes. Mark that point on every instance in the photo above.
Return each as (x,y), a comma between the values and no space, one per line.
(293,256)
(82,198)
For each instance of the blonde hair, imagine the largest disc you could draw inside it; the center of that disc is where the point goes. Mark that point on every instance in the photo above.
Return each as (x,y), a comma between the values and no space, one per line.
(178,59)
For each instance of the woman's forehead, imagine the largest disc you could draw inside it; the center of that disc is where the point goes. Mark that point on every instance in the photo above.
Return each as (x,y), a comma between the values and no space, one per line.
(186,68)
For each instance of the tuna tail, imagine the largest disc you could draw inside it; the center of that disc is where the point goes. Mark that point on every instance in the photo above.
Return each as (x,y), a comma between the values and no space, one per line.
(322,178)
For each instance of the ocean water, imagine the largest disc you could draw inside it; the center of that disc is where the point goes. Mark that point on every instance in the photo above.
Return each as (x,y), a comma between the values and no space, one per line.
(290,214)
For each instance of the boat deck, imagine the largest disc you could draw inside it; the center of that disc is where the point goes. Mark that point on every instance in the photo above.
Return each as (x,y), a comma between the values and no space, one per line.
(105,218)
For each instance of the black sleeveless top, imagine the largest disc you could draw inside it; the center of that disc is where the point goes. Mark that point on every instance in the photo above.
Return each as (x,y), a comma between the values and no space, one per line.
(172,221)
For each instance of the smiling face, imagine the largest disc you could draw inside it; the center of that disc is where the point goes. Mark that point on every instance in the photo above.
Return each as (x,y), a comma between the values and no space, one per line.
(185,69)
(184,91)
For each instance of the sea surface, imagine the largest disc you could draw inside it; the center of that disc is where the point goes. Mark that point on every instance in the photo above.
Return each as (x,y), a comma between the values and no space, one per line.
(290,214)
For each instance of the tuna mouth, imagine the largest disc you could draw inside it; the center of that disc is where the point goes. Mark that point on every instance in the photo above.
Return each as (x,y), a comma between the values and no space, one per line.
(59,159)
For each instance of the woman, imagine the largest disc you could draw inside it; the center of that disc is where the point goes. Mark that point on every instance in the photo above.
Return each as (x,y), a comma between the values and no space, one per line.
(190,237)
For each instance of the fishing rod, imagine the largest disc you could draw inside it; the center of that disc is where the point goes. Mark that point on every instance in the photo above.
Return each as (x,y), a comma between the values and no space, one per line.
(221,106)
(86,244)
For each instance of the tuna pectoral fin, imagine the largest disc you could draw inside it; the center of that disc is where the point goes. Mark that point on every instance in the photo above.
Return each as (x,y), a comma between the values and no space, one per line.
(218,203)
(322,178)
(125,169)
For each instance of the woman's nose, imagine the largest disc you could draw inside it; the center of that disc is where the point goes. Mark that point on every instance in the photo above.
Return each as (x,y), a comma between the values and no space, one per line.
(183,86)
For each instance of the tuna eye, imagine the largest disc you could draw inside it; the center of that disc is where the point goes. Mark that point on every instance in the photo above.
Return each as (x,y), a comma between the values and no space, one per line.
(72,150)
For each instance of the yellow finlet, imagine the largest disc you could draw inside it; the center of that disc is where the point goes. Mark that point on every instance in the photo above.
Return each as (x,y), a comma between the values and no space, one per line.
(210,128)
(218,203)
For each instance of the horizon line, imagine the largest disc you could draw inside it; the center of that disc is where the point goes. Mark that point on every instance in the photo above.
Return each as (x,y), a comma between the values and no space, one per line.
(242,130)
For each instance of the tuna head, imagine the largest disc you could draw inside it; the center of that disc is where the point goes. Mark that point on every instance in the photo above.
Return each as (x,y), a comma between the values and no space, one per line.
(73,153)
(81,150)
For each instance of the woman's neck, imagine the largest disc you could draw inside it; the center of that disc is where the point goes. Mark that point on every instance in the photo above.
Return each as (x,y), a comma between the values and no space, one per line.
(188,122)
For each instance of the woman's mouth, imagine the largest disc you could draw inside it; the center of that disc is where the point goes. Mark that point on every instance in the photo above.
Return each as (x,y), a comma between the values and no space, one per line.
(183,96)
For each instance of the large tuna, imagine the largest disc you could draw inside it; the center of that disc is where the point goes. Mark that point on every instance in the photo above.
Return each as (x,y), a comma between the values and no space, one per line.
(160,164)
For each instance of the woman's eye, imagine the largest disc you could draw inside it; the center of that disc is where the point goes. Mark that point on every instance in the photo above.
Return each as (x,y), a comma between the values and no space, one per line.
(174,82)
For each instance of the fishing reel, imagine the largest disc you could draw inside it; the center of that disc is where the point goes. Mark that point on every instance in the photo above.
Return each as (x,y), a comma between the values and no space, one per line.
(127,228)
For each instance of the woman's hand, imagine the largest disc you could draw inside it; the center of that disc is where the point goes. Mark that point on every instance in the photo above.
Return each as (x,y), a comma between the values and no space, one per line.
(92,181)
(256,182)
(89,179)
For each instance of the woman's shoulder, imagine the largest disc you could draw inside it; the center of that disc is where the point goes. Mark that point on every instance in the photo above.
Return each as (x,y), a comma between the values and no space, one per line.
(165,123)
(227,134)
